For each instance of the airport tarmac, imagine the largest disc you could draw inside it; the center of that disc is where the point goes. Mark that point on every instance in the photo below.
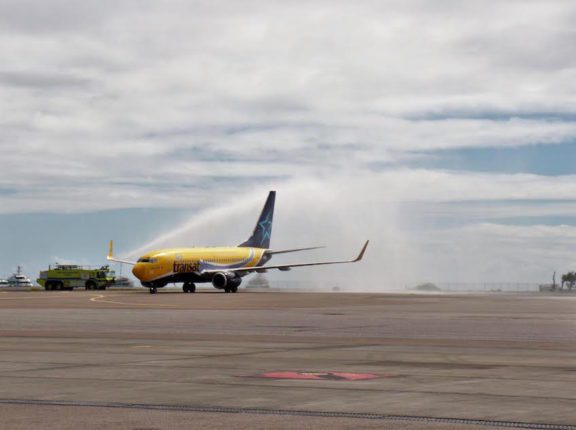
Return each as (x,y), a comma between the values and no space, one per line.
(131,360)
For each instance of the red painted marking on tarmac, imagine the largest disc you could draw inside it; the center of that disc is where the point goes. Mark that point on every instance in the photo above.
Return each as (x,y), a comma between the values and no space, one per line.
(319,376)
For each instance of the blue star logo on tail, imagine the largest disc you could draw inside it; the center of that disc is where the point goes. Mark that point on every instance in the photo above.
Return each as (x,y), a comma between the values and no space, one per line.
(266,226)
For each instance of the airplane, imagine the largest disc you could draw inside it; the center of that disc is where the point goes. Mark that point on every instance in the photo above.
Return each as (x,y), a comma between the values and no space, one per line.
(224,267)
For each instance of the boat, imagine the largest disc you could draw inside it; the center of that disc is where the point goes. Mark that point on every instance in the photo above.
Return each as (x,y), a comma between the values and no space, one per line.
(19,280)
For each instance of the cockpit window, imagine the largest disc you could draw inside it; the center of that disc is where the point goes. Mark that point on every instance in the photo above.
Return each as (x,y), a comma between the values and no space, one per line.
(147,260)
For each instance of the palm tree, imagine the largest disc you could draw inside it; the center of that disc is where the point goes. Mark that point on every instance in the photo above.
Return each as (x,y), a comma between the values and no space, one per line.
(569,279)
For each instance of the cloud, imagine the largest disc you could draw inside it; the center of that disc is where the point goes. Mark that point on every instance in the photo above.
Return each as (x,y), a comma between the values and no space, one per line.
(184,89)
(40,80)
(59,16)
(168,188)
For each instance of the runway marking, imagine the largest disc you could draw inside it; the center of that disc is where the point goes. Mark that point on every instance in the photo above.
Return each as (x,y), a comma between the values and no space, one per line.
(51,296)
(101,299)
(299,413)
(320,376)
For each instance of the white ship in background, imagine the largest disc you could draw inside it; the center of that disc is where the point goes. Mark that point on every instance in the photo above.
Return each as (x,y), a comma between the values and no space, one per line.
(19,280)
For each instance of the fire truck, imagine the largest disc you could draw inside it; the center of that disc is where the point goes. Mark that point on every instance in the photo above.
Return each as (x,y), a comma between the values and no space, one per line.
(68,277)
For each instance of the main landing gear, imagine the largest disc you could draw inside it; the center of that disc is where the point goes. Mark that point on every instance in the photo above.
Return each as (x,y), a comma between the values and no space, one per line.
(153,290)
(233,289)
(189,287)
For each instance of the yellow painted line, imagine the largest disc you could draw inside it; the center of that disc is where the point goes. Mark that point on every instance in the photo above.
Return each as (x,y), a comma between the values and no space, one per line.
(100,299)
(142,346)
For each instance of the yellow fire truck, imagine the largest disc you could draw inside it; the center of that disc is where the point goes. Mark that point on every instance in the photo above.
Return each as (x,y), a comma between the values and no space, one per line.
(68,277)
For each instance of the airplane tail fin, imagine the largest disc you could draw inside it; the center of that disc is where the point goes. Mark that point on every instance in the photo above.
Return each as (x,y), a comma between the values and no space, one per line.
(263,230)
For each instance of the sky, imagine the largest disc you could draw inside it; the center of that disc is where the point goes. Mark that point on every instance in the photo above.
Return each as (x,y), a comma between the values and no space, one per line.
(441,130)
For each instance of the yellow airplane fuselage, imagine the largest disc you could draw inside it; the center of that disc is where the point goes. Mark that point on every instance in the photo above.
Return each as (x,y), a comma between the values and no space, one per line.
(179,264)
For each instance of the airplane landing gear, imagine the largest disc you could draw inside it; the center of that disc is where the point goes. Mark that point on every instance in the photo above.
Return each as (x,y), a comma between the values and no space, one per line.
(231,289)
(153,290)
(189,287)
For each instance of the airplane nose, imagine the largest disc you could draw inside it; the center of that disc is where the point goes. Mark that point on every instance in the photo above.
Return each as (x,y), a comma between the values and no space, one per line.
(138,271)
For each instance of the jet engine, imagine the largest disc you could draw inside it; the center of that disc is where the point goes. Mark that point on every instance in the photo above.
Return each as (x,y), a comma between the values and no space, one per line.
(223,280)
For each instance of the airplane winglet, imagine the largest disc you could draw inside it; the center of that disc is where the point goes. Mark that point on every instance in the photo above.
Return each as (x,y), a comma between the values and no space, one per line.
(361,255)
(110,256)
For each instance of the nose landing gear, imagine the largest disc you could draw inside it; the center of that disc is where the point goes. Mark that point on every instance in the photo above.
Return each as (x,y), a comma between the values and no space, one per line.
(153,290)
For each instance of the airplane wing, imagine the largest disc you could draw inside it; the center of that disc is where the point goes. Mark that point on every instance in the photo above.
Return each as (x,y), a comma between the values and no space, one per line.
(285,251)
(286,267)
(110,256)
